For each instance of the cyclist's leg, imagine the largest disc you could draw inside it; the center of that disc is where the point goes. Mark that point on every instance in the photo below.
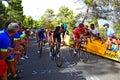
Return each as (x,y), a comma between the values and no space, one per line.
(59,41)
(39,39)
(38,43)
(76,39)
(51,45)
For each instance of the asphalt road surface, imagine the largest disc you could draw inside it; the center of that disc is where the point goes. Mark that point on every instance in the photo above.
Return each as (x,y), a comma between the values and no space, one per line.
(42,68)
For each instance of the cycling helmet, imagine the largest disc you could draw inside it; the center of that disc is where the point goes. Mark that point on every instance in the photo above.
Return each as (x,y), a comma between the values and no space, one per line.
(57,28)
(42,27)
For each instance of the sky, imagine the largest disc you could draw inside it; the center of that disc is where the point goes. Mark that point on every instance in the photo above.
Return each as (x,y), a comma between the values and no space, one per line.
(36,8)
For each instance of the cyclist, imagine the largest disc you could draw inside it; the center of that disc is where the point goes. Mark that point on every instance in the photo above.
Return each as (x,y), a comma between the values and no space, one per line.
(78,34)
(49,36)
(41,36)
(56,36)
(109,31)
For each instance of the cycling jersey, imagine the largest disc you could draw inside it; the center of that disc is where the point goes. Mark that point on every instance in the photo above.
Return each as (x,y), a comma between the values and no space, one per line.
(41,34)
(50,33)
(77,34)
(57,34)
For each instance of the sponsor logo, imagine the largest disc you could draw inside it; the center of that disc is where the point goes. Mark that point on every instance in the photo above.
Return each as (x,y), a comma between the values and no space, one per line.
(112,55)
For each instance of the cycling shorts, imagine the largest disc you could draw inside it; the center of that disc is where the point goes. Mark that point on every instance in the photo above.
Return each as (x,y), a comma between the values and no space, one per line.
(58,39)
(42,37)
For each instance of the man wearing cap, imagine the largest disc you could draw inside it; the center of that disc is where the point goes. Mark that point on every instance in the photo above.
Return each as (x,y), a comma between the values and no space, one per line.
(110,33)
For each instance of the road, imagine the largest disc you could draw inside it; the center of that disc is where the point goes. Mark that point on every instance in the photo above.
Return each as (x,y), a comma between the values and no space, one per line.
(42,68)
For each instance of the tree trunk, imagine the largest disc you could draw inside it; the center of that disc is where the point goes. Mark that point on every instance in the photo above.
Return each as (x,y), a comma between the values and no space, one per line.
(85,16)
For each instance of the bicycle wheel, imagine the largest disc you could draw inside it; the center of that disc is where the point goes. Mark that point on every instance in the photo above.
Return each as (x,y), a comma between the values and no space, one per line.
(40,50)
(58,59)
(71,51)
(52,57)
(83,55)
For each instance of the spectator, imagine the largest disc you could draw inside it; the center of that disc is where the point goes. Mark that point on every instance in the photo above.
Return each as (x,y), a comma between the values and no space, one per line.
(94,31)
(110,32)
(5,42)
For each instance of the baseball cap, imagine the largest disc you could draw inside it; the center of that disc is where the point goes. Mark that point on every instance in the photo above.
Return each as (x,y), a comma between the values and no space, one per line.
(106,24)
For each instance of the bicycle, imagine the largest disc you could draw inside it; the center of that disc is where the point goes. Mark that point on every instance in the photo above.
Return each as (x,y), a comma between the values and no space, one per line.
(56,55)
(41,42)
(81,52)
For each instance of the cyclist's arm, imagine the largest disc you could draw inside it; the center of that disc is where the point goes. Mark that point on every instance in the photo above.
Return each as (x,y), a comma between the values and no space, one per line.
(38,38)
(52,34)
(46,36)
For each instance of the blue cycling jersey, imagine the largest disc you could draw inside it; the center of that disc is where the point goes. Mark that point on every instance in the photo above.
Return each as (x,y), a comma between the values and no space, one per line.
(41,34)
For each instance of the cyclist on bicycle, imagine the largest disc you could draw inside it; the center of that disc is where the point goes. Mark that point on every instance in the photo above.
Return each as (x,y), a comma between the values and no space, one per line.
(56,36)
(78,34)
(41,35)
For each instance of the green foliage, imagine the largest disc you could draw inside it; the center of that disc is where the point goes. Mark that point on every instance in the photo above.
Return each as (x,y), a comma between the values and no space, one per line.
(2,14)
(94,21)
(88,2)
(16,10)
(29,22)
(117,30)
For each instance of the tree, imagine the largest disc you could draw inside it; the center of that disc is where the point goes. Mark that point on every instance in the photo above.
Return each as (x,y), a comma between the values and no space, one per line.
(2,14)
(28,22)
(15,10)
